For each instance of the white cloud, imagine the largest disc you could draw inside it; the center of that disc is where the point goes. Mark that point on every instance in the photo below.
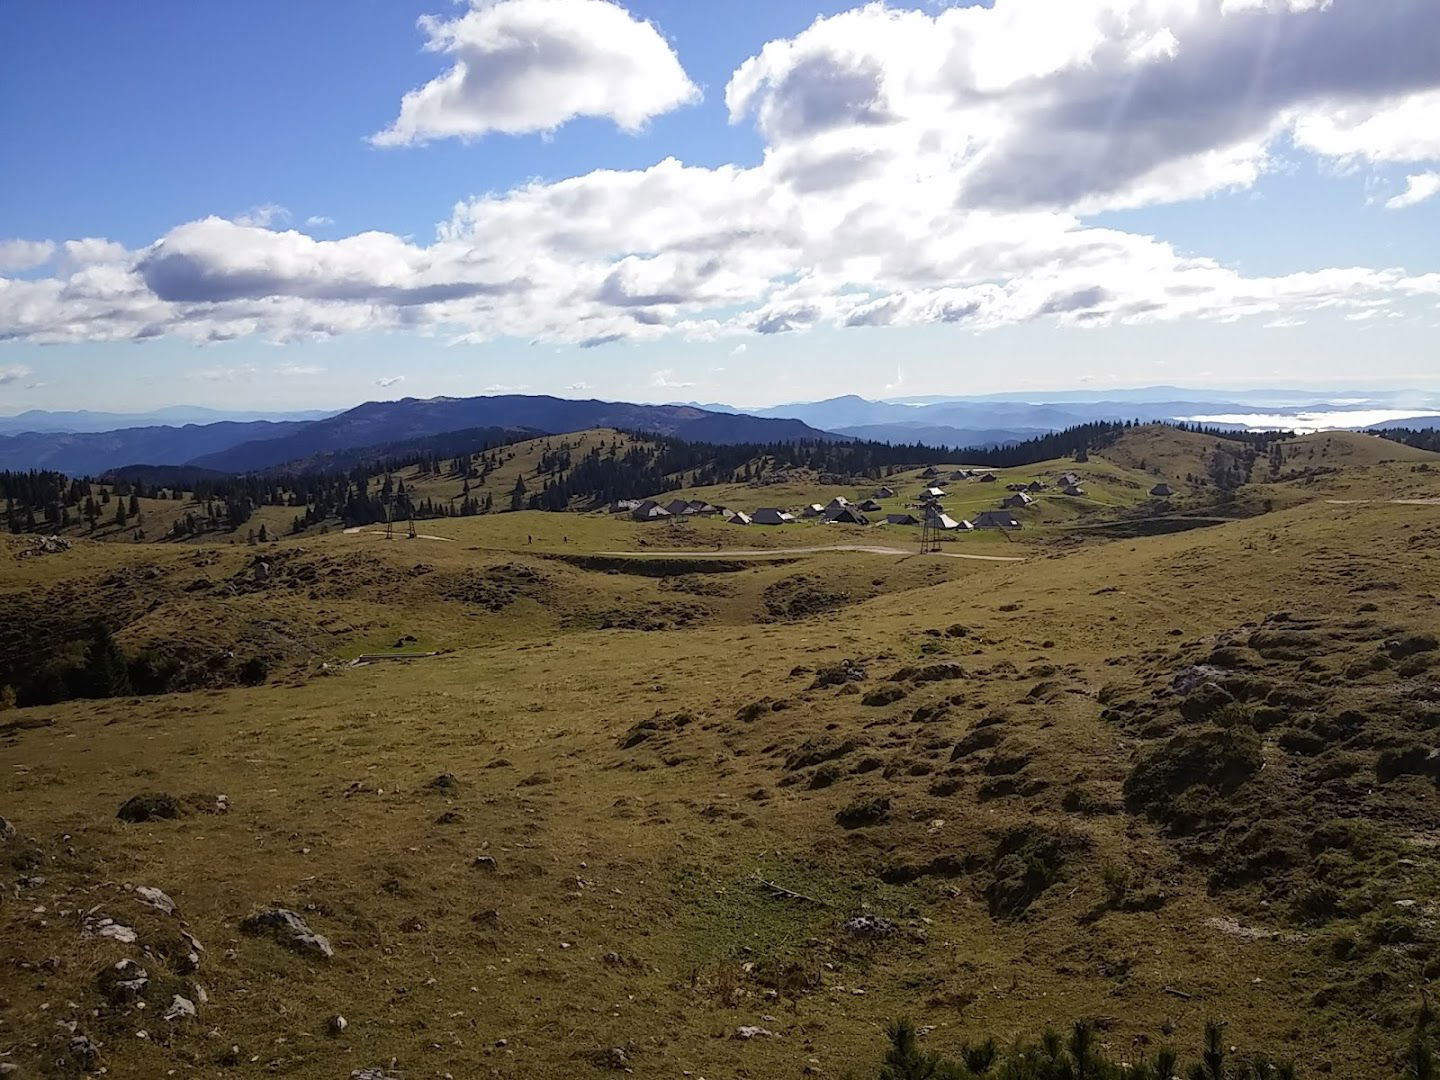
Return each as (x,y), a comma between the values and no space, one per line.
(25,254)
(389,380)
(918,168)
(14,374)
(238,373)
(263,216)
(298,370)
(318,221)
(532,65)
(578,387)
(740,350)
(665,380)
(1418,188)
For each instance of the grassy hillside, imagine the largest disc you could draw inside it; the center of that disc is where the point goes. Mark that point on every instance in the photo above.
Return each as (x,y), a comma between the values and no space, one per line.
(1346,448)
(522,460)
(641,803)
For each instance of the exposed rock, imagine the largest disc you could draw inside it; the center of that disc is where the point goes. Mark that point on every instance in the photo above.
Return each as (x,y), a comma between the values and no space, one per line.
(870,926)
(150,806)
(837,674)
(446,781)
(106,927)
(155,898)
(374,1072)
(122,982)
(337,1025)
(189,961)
(289,929)
(7,831)
(181,1008)
(486,862)
(746,1032)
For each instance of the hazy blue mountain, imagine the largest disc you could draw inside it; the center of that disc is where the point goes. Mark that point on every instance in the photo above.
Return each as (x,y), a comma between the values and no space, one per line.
(381,422)
(41,420)
(937,435)
(90,452)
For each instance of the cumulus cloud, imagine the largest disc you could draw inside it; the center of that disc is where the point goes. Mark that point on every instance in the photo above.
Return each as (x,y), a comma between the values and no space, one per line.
(1103,103)
(532,65)
(25,254)
(918,168)
(318,221)
(1418,188)
(14,374)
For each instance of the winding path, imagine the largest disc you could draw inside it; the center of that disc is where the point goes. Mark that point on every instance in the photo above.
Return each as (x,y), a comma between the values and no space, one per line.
(869,549)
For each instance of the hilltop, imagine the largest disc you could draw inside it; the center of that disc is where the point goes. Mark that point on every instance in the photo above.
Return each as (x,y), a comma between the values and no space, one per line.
(640,788)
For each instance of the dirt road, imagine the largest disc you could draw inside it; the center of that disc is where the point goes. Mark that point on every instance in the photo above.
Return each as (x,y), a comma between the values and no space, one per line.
(399,535)
(869,549)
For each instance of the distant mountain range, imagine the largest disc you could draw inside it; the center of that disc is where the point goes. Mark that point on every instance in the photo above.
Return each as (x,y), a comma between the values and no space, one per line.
(42,420)
(311,441)
(92,452)
(999,418)
(248,447)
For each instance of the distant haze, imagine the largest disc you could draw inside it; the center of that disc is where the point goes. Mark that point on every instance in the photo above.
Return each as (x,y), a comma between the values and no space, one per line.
(1307,421)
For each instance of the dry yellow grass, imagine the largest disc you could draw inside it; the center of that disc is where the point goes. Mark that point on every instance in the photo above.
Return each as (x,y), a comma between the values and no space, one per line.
(623,910)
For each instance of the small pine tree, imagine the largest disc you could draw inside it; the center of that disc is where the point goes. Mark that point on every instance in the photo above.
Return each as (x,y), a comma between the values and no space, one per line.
(106,673)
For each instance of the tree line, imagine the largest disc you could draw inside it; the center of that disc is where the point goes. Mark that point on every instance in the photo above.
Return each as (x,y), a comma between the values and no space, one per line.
(644,464)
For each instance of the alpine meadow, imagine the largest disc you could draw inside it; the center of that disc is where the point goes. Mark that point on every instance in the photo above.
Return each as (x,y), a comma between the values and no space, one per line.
(549,539)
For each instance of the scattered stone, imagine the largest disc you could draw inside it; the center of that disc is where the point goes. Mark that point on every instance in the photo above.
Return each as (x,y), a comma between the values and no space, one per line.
(123,982)
(450,817)
(446,781)
(486,862)
(374,1072)
(289,929)
(337,1024)
(155,898)
(746,1032)
(870,926)
(7,831)
(106,927)
(150,806)
(181,1008)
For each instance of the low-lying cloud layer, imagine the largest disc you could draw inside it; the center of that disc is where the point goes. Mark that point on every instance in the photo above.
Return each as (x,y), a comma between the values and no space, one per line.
(918,168)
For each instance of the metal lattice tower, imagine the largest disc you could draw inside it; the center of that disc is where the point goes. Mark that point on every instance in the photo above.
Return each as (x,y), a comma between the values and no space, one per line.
(929,533)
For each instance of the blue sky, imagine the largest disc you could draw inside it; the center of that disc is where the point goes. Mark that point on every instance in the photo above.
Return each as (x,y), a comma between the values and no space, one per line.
(890,201)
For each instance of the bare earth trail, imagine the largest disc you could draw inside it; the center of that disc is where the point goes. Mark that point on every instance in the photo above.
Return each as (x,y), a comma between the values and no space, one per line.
(380,532)
(868,549)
